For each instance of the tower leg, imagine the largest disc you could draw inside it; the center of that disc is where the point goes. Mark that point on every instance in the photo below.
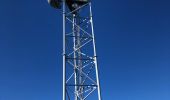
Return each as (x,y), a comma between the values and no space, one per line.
(95,55)
(64,53)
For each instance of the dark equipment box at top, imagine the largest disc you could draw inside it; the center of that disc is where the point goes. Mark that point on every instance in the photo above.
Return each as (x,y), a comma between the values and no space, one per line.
(72,4)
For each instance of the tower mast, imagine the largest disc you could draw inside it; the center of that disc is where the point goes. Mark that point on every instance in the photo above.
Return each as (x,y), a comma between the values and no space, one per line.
(80,68)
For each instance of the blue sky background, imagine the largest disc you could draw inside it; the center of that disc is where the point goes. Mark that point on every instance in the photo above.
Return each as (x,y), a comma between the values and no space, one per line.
(133,46)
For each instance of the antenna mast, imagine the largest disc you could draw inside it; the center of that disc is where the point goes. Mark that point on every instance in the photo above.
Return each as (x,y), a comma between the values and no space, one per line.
(80,68)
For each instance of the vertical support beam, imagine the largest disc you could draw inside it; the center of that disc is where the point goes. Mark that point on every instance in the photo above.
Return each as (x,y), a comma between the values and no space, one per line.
(95,55)
(64,53)
(75,62)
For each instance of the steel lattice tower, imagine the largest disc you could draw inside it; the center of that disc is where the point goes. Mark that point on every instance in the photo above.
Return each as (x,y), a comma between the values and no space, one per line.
(80,69)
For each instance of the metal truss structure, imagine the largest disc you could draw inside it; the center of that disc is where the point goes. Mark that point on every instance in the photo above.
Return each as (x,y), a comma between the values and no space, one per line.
(80,68)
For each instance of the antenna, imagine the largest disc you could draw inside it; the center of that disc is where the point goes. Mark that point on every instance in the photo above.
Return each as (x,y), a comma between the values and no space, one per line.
(55,3)
(80,67)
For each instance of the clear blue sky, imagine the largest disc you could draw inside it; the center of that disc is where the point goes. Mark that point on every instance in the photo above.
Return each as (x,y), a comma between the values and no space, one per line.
(133,46)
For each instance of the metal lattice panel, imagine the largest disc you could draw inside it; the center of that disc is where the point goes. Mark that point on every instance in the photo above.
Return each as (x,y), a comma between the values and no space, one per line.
(80,71)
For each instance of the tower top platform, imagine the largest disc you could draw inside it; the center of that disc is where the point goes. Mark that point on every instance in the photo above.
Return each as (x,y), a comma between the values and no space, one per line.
(72,4)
